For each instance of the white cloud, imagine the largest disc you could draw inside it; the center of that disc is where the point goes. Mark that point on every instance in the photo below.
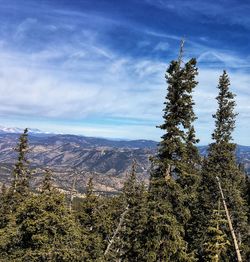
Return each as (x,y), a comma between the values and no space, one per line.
(162,46)
(224,59)
(24,27)
(80,76)
(53,91)
(122,87)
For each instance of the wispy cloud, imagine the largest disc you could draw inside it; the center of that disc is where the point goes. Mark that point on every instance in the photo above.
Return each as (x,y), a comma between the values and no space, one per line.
(162,46)
(223,12)
(80,69)
(219,58)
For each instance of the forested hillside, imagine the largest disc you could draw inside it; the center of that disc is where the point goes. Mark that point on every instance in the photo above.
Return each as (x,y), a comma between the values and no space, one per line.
(194,208)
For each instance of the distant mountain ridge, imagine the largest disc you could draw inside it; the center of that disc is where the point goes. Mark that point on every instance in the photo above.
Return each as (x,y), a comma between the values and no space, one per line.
(18,130)
(107,160)
(91,141)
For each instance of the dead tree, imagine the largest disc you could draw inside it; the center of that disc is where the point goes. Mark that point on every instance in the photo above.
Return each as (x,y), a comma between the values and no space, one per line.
(116,231)
(72,191)
(230,222)
(181,51)
(167,173)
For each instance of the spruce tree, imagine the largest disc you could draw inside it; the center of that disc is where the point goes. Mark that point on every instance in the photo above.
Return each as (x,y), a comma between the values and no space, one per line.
(221,162)
(111,213)
(19,190)
(42,230)
(217,242)
(89,217)
(47,182)
(21,172)
(4,207)
(130,240)
(172,178)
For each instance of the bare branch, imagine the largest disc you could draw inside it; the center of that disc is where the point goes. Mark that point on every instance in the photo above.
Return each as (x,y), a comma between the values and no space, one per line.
(116,231)
(230,223)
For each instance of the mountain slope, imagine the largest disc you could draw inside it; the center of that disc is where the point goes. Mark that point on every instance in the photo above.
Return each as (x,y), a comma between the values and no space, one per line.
(108,161)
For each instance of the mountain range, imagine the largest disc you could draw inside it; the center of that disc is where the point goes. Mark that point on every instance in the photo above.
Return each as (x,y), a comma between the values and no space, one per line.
(72,157)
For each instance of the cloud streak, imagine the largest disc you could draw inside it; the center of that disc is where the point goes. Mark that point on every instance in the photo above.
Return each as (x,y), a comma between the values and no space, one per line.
(79,69)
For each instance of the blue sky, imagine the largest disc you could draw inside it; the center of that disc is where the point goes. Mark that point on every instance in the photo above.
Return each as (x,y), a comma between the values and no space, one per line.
(96,67)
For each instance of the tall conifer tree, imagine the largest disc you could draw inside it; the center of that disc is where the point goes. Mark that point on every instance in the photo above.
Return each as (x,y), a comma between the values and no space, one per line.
(12,197)
(131,237)
(171,179)
(21,172)
(221,162)
(89,217)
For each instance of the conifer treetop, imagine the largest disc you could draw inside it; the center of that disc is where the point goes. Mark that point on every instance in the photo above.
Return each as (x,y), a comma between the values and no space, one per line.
(225,115)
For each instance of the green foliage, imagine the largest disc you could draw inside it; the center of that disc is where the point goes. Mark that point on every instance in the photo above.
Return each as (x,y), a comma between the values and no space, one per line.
(47,185)
(4,207)
(225,116)
(90,220)
(131,242)
(221,162)
(12,197)
(178,112)
(21,172)
(165,234)
(217,241)
(174,177)
(42,230)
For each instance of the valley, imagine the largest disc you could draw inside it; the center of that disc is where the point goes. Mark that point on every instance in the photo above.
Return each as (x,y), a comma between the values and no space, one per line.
(70,156)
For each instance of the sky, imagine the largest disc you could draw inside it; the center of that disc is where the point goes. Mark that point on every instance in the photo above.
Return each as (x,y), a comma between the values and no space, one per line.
(96,67)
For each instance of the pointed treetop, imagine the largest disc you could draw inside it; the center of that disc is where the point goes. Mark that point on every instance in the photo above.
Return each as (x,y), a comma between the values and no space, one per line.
(90,187)
(134,167)
(21,172)
(47,182)
(225,115)
(181,51)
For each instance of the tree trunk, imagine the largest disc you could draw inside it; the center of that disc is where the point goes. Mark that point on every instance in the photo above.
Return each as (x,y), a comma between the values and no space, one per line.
(230,223)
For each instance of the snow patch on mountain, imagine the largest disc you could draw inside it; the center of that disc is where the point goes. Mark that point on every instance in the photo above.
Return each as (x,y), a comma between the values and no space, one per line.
(17,130)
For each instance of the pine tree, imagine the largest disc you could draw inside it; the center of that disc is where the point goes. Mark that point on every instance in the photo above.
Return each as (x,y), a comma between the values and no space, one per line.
(172,178)
(130,240)
(47,182)
(221,162)
(21,172)
(217,242)
(111,212)
(42,230)
(4,207)
(12,197)
(89,217)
